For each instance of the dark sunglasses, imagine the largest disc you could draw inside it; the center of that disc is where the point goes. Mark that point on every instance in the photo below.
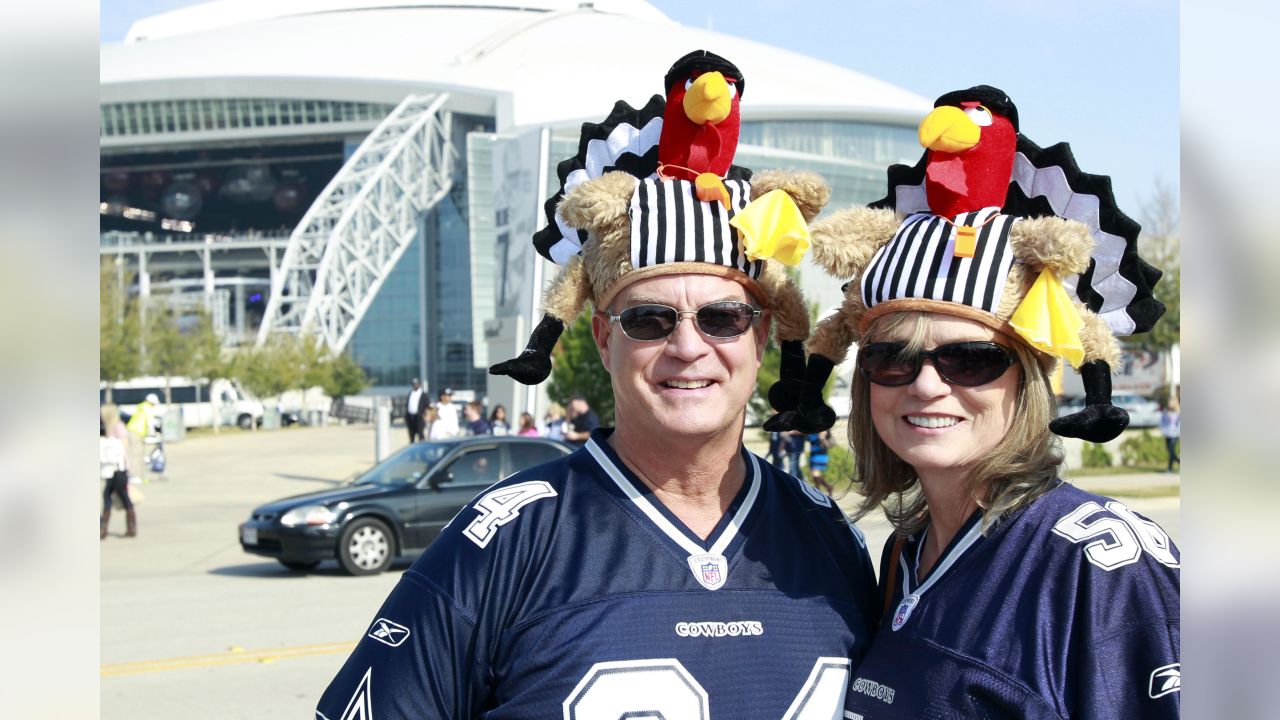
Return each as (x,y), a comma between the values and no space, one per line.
(967,364)
(719,320)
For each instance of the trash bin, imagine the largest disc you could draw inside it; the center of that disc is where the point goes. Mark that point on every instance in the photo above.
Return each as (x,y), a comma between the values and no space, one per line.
(317,418)
(270,419)
(171,426)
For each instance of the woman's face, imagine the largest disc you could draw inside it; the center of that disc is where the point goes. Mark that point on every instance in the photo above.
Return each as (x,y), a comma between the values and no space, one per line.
(938,428)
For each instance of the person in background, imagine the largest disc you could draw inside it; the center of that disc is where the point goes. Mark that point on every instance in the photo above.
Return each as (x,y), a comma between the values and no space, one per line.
(113,463)
(414,409)
(553,422)
(1170,428)
(778,450)
(582,422)
(473,414)
(431,422)
(448,412)
(527,426)
(819,443)
(795,448)
(141,425)
(498,421)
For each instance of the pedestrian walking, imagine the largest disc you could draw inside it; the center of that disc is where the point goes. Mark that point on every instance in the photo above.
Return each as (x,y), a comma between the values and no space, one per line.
(819,443)
(415,406)
(795,448)
(1171,429)
(113,463)
(778,450)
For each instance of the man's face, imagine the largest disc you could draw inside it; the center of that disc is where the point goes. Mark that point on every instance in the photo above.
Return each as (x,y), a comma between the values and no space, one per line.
(686,384)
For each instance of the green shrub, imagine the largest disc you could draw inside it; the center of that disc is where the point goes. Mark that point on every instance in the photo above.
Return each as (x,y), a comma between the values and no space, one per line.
(1093,455)
(1144,448)
(839,467)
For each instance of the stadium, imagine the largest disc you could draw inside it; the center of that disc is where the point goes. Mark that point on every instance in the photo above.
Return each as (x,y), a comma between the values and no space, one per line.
(371,171)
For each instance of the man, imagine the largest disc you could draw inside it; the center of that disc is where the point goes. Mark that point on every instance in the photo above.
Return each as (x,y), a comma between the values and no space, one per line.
(659,571)
(447,425)
(582,422)
(415,408)
(473,413)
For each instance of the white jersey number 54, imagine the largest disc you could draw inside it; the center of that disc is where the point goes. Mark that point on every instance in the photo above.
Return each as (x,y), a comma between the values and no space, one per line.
(665,689)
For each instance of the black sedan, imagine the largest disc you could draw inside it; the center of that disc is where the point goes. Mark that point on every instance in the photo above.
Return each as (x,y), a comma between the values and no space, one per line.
(395,508)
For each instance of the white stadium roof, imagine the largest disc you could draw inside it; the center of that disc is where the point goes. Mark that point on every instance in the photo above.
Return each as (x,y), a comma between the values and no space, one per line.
(553,62)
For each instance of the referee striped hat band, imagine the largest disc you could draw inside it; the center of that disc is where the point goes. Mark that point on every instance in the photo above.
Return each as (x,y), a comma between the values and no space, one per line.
(672,231)
(919,269)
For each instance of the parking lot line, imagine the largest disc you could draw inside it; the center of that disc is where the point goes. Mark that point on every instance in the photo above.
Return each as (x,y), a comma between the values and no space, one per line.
(231,657)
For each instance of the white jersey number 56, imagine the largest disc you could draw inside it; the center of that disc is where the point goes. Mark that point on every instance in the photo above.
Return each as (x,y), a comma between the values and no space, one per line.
(663,688)
(1116,541)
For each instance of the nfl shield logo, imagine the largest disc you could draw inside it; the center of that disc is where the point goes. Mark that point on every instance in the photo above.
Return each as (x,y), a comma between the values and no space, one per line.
(904,610)
(709,570)
(710,574)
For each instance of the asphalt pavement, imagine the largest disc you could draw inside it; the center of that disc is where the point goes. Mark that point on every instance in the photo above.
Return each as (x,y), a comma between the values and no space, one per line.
(193,627)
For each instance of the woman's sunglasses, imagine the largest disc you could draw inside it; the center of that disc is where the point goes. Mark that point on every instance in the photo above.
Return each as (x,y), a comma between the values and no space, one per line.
(967,364)
(718,320)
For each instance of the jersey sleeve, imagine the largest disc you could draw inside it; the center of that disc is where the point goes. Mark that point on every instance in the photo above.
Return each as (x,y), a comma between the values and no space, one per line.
(415,660)
(1133,675)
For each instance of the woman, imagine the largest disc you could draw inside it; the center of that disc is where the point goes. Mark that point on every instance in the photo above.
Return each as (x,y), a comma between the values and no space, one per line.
(527,426)
(1008,593)
(554,422)
(113,463)
(498,421)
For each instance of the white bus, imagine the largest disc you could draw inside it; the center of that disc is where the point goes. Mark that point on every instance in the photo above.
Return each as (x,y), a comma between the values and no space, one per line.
(199,401)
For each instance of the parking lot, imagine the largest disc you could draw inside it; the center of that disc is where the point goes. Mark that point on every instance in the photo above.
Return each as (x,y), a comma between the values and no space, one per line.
(193,627)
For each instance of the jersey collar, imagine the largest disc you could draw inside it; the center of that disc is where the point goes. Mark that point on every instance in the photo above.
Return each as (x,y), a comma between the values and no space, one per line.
(643,500)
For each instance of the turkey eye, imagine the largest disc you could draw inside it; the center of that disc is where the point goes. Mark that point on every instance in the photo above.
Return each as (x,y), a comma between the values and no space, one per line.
(688,83)
(979,115)
(733,90)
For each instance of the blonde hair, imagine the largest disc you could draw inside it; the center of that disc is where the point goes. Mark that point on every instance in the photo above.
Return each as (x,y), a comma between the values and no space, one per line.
(1022,466)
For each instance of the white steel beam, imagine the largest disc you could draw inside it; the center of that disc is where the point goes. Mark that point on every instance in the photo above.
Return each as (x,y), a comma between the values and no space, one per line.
(350,239)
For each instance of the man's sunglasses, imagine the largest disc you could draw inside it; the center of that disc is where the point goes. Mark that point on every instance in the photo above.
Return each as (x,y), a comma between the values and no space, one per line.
(967,364)
(718,320)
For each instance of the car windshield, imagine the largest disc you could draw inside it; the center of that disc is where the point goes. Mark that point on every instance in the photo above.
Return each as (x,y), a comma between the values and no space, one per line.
(405,467)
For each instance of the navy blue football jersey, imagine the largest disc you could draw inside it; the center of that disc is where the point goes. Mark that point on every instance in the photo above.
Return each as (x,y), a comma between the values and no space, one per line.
(1066,609)
(569,590)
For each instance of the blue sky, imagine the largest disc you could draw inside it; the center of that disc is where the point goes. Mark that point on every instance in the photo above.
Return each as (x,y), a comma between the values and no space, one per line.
(1102,75)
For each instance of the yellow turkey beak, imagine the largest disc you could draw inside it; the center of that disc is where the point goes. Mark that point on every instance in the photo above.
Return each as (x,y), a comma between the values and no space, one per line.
(948,129)
(707,100)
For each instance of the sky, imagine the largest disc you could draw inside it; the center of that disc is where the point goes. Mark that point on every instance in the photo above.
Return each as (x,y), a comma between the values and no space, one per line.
(1099,74)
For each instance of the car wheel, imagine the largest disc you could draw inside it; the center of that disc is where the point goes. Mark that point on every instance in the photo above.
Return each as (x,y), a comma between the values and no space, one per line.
(300,565)
(365,547)
(245,422)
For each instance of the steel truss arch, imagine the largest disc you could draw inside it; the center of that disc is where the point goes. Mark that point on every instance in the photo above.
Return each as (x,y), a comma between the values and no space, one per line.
(361,223)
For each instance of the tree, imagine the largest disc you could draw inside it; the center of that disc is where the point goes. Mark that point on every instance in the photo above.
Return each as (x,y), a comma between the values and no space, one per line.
(576,369)
(118,326)
(1161,245)
(286,362)
(169,351)
(346,377)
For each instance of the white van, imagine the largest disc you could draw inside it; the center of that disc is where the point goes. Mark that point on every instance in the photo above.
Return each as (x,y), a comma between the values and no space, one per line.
(200,401)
